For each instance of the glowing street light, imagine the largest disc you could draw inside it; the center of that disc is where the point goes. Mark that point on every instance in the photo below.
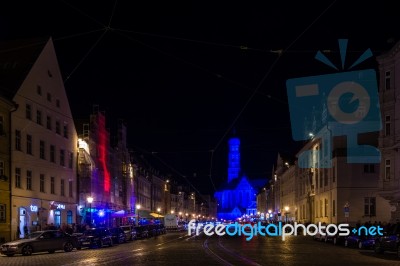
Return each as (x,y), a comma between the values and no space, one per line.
(158,212)
(137,213)
(90,200)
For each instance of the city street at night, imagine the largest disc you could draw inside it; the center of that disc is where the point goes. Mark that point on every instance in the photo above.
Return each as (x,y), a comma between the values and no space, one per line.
(199,133)
(181,249)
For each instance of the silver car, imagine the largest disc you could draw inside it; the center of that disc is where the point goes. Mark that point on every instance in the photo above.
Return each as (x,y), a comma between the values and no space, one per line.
(40,241)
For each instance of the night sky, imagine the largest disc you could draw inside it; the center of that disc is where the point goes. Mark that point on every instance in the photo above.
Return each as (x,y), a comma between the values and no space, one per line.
(185,75)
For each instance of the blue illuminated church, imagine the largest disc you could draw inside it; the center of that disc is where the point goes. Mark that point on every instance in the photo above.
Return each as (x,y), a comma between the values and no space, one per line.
(238,195)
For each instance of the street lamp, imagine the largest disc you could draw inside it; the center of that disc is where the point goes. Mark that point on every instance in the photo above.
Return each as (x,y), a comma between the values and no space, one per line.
(270,215)
(158,213)
(90,200)
(137,213)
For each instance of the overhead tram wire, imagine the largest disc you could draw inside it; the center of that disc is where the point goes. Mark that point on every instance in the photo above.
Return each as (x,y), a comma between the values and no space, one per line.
(173,170)
(269,71)
(85,56)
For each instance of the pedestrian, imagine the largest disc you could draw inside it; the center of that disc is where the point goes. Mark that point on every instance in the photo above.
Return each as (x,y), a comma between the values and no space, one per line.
(18,231)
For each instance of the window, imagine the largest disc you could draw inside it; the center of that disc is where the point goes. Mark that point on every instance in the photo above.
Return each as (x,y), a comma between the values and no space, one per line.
(326,207)
(1,169)
(29,144)
(1,125)
(65,131)
(369,168)
(370,206)
(17,140)
(39,90)
(58,129)
(62,157)
(48,123)
(2,213)
(58,103)
(42,182)
(321,181)
(28,111)
(70,160)
(70,188)
(320,208)
(387,169)
(52,181)
(387,125)
(29,180)
(69,217)
(325,176)
(387,80)
(52,153)
(62,188)
(333,208)
(49,97)
(18,177)
(38,117)
(57,218)
(42,149)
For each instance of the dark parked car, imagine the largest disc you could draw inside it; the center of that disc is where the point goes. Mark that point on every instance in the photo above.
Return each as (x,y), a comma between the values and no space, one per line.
(95,237)
(118,235)
(48,240)
(390,241)
(141,231)
(160,229)
(151,230)
(130,232)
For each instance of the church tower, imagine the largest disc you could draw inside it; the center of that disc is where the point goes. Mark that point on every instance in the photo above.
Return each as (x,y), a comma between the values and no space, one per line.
(233,158)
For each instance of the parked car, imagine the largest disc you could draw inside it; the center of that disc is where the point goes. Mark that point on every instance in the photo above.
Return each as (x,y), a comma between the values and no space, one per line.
(118,235)
(141,232)
(390,241)
(130,232)
(151,229)
(95,237)
(359,241)
(48,240)
(162,228)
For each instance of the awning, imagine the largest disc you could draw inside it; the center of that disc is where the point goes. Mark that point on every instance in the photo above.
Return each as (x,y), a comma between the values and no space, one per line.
(144,214)
(156,215)
(118,214)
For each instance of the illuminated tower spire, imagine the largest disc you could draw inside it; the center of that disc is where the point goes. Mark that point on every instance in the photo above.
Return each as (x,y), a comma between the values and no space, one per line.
(233,158)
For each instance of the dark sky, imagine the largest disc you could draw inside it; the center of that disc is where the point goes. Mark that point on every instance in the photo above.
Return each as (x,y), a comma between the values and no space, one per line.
(184,74)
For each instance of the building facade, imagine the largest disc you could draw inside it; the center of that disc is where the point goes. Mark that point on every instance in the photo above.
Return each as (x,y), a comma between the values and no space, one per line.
(43,146)
(389,137)
(6,107)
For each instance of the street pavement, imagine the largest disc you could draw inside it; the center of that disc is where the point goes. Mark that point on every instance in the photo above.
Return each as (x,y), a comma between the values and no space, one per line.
(177,248)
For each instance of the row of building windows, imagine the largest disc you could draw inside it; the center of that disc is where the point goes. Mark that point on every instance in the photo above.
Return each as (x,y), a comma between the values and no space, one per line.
(322,208)
(2,213)
(64,155)
(49,121)
(42,183)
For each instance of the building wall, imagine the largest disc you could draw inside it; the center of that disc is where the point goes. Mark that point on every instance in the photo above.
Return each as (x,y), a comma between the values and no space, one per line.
(43,93)
(389,138)
(5,194)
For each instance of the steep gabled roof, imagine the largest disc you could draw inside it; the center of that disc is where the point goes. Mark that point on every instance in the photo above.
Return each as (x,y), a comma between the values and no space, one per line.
(16,60)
